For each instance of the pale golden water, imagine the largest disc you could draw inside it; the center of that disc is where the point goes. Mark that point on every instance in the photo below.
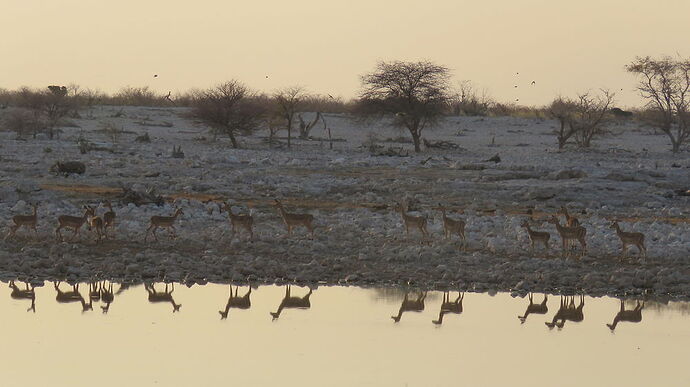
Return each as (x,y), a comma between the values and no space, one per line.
(346,338)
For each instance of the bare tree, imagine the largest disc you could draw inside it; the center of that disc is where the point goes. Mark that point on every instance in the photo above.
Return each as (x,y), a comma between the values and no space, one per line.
(665,84)
(228,109)
(289,101)
(414,93)
(590,117)
(582,119)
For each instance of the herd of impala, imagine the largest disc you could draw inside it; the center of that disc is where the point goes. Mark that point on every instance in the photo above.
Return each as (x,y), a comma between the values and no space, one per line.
(571,232)
(103,291)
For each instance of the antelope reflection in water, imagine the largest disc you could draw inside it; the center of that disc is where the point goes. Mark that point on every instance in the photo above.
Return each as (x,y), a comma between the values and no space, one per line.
(165,296)
(107,296)
(634,315)
(292,302)
(236,302)
(72,296)
(533,308)
(24,294)
(416,305)
(567,312)
(448,306)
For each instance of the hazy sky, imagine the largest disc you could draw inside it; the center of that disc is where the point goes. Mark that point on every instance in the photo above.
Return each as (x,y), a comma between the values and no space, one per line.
(564,46)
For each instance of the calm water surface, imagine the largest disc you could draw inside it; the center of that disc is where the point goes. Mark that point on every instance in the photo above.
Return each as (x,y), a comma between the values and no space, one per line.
(336,336)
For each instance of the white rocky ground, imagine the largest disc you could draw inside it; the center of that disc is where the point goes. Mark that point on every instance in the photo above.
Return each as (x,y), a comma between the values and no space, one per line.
(630,175)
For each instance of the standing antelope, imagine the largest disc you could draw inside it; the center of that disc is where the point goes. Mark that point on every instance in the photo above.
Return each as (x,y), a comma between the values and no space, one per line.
(236,302)
(292,302)
(533,308)
(570,234)
(26,294)
(536,236)
(570,221)
(452,226)
(245,221)
(166,296)
(448,306)
(73,222)
(634,315)
(167,222)
(416,305)
(630,238)
(108,218)
(29,221)
(294,220)
(418,222)
(96,223)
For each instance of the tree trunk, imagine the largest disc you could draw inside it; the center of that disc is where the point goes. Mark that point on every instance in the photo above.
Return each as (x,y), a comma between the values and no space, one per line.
(415,139)
(232,139)
(676,145)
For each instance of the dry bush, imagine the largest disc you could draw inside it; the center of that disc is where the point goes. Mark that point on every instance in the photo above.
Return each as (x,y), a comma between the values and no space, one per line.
(467,101)
(137,96)
(24,122)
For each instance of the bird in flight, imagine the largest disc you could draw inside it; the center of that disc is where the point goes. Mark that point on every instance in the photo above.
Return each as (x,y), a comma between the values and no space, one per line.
(155,75)
(534,83)
(330,96)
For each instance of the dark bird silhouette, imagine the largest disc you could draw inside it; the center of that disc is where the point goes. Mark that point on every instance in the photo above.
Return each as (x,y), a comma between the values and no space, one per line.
(533,82)
(266,76)
(330,96)
(517,99)
(515,86)
(155,75)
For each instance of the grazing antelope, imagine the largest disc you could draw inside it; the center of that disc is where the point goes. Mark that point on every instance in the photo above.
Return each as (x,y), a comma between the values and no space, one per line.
(630,238)
(567,312)
(536,236)
(72,296)
(167,222)
(634,315)
(533,308)
(418,222)
(166,296)
(416,305)
(236,302)
(245,221)
(292,302)
(29,221)
(73,222)
(448,306)
(570,234)
(294,220)
(108,218)
(452,226)
(26,294)
(107,296)
(570,221)
(96,223)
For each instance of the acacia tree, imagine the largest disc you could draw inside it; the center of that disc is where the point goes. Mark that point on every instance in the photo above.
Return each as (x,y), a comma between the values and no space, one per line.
(289,101)
(665,84)
(416,94)
(228,108)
